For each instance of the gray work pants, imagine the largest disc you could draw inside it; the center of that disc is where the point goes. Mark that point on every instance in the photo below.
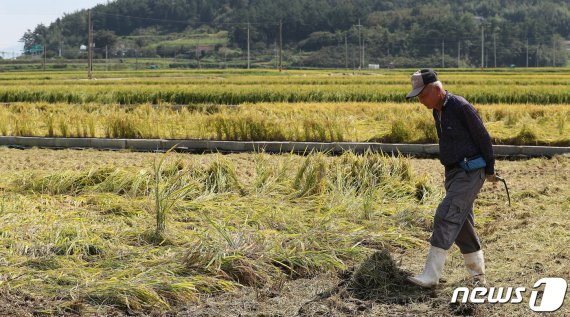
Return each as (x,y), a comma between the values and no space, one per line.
(454,220)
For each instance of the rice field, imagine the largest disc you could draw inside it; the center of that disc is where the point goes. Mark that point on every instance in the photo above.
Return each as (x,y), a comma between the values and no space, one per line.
(527,124)
(119,233)
(518,107)
(230,87)
(156,232)
(114,233)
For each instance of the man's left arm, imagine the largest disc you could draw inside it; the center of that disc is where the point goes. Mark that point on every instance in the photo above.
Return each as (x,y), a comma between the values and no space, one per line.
(480,136)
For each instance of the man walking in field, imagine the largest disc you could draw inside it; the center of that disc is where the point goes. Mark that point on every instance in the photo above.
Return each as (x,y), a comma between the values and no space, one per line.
(466,152)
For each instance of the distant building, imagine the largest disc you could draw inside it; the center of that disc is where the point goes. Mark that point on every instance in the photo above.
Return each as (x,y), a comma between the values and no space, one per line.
(373,66)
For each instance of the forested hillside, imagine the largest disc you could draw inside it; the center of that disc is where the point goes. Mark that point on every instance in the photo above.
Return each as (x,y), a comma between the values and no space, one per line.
(325,33)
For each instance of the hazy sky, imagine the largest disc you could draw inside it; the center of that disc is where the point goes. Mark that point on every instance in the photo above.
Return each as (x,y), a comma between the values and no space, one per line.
(17,16)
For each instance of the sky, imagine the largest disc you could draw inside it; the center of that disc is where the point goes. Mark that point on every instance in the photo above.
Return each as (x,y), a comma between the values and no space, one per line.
(17,16)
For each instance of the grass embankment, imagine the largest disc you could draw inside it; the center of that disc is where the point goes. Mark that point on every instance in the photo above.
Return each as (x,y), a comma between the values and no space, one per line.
(79,236)
(325,122)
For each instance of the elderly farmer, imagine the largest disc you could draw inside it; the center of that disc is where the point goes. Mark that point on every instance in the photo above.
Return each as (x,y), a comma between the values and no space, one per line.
(466,152)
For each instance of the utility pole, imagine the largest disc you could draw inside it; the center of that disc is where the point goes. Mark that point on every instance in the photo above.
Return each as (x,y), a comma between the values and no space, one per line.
(276,51)
(495,48)
(247,45)
(537,54)
(44,57)
(353,57)
(482,46)
(442,53)
(359,44)
(458,53)
(363,64)
(553,53)
(90,47)
(198,53)
(345,51)
(527,52)
(280,45)
(106,58)
(226,58)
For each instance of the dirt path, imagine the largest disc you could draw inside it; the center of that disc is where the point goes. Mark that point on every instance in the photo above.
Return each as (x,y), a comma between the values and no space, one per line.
(522,244)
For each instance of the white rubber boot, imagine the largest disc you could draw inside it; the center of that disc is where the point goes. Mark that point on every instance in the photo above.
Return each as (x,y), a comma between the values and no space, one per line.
(475,263)
(432,270)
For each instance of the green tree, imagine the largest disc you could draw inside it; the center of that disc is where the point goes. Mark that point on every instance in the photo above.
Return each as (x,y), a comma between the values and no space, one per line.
(104,38)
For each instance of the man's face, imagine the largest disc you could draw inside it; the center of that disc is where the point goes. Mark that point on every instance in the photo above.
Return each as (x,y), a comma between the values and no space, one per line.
(429,97)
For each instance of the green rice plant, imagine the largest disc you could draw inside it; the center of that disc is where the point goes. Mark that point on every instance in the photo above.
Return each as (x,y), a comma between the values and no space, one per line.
(122,182)
(63,128)
(400,132)
(91,127)
(166,194)
(80,131)
(323,122)
(426,127)
(93,240)
(237,255)
(323,129)
(2,202)
(103,179)
(244,127)
(412,217)
(368,204)
(113,204)
(311,176)
(357,173)
(263,172)
(268,176)
(561,122)
(399,167)
(265,87)
(513,118)
(312,249)
(130,296)
(369,170)
(74,241)
(526,135)
(22,127)
(498,115)
(537,113)
(50,125)
(122,127)
(220,177)
(315,130)
(67,182)
(424,188)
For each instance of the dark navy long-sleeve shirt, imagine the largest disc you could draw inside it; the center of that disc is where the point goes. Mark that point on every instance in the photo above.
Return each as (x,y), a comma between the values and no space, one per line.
(462,133)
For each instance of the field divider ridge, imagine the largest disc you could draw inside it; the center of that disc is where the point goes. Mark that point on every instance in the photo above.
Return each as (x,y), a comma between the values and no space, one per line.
(200,146)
